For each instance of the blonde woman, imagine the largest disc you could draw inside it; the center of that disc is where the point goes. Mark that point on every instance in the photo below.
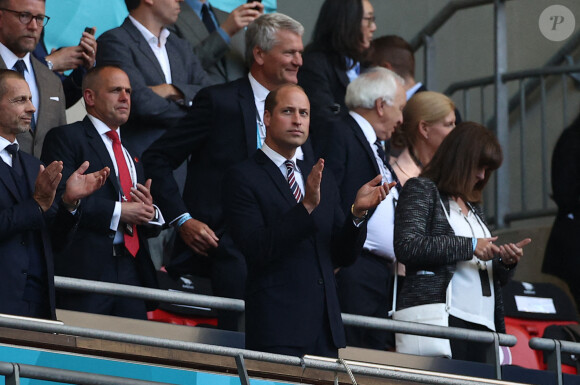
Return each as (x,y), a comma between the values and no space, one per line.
(427,119)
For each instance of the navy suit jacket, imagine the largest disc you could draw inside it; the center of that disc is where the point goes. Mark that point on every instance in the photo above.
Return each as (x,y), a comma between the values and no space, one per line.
(151,114)
(350,157)
(291,255)
(90,251)
(18,215)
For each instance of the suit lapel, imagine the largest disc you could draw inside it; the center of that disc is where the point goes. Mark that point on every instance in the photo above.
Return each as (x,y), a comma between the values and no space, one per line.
(95,141)
(143,46)
(341,74)
(248,108)
(276,176)
(197,29)
(8,181)
(360,136)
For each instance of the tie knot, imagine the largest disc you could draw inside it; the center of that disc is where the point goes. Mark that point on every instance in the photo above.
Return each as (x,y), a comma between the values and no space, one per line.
(12,149)
(20,66)
(289,165)
(113,135)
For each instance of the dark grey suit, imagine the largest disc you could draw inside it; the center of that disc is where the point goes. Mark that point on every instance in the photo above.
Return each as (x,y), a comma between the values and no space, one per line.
(151,114)
(51,108)
(223,62)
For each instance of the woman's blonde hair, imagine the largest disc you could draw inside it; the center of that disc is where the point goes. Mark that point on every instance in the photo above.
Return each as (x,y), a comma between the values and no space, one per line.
(428,106)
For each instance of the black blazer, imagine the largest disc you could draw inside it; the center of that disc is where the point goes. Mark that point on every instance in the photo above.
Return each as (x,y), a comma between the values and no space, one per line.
(151,114)
(290,255)
(325,84)
(424,240)
(562,251)
(90,251)
(350,157)
(18,215)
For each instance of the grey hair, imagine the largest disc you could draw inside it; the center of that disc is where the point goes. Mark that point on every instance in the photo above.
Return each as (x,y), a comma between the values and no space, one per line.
(262,32)
(377,82)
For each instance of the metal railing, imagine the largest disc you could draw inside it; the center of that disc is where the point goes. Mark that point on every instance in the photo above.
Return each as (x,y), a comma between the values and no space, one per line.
(503,106)
(494,340)
(373,370)
(553,350)
(527,79)
(14,371)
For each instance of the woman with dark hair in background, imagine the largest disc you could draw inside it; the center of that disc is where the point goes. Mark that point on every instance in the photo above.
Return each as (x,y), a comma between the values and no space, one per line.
(342,34)
(442,238)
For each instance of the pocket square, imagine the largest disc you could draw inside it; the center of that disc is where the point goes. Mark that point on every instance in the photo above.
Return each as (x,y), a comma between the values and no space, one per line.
(55,98)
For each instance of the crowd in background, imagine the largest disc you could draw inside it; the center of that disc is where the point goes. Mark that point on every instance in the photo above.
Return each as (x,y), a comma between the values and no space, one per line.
(303,179)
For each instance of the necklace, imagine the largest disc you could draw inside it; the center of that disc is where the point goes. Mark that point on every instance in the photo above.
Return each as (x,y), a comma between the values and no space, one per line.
(415,159)
(400,168)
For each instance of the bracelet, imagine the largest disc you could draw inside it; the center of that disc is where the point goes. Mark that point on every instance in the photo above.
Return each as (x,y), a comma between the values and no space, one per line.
(359,219)
(184,218)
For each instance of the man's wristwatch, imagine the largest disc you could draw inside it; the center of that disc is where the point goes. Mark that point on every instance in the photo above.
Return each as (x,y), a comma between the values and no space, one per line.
(356,219)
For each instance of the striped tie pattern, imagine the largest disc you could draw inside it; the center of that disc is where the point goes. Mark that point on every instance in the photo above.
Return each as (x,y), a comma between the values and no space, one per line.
(292,181)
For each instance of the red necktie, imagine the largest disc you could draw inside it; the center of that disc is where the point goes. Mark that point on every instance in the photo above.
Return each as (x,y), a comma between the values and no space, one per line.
(131,239)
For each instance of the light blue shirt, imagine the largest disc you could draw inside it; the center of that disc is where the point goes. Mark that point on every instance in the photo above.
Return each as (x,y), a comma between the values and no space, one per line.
(196,6)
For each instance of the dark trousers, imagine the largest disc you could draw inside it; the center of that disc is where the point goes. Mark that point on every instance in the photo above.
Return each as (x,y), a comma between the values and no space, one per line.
(323,345)
(466,350)
(365,288)
(120,269)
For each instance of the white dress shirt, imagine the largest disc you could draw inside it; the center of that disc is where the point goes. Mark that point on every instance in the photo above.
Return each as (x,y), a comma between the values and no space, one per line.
(467,301)
(260,93)
(102,129)
(279,162)
(381,224)
(157,46)
(5,155)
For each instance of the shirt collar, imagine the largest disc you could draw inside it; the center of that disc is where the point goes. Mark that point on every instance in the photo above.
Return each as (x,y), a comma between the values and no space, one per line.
(101,127)
(275,157)
(150,37)
(411,91)
(260,92)
(5,142)
(365,126)
(196,6)
(10,58)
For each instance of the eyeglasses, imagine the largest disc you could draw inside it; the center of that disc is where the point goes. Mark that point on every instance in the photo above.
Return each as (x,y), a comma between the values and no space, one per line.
(370,20)
(26,17)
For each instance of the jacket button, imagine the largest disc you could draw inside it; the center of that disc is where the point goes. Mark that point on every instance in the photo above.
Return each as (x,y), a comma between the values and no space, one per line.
(320,281)
(22,243)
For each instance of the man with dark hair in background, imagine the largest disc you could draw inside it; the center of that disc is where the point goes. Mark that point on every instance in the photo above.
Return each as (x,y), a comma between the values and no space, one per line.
(165,75)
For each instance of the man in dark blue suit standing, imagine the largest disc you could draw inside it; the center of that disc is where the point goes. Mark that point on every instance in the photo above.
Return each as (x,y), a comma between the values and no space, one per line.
(110,243)
(29,222)
(226,128)
(285,216)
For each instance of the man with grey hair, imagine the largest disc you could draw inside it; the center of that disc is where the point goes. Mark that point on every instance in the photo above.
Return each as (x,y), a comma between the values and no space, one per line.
(226,129)
(355,154)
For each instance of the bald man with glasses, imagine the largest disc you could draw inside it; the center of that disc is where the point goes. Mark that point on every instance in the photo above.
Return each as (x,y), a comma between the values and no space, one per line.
(21,24)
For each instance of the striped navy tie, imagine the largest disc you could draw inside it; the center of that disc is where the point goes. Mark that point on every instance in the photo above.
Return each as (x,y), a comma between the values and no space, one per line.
(292,181)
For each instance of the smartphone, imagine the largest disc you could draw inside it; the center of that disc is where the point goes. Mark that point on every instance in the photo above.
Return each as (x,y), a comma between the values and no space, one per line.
(90,30)
(251,1)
